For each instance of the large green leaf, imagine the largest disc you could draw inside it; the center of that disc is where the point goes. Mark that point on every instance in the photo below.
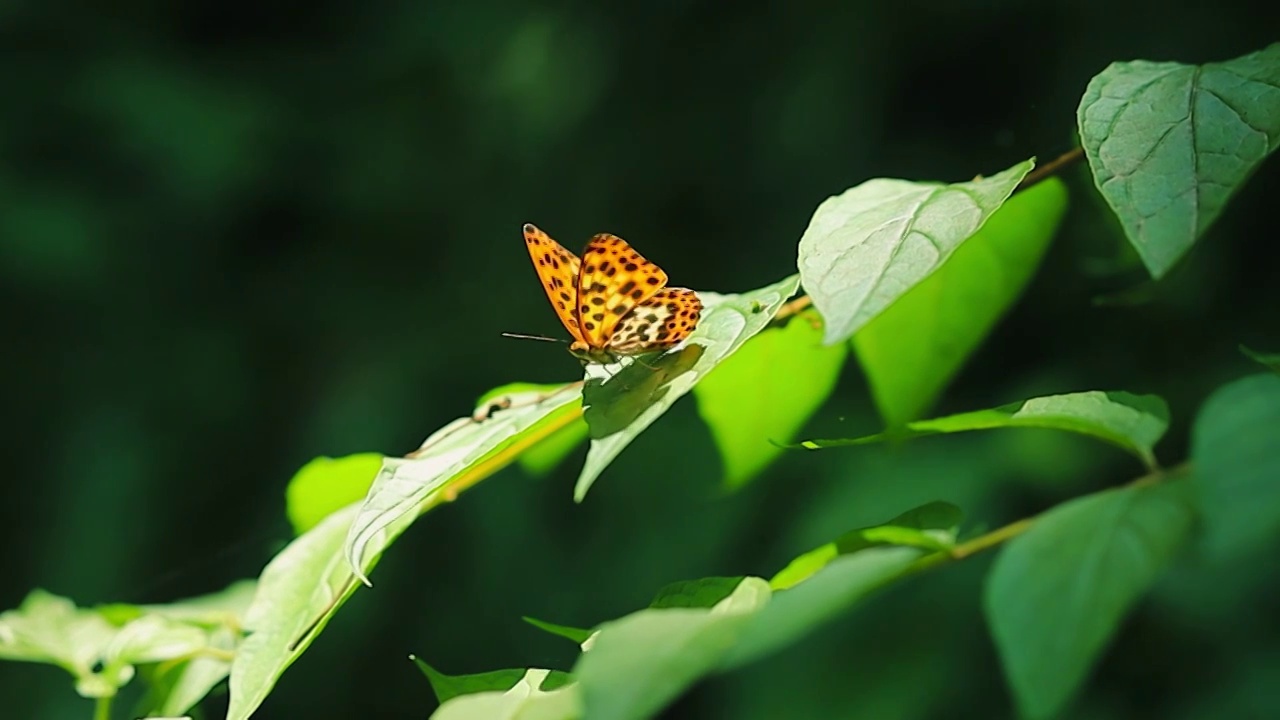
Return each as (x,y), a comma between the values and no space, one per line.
(620,402)
(1132,422)
(551,450)
(868,246)
(912,349)
(798,611)
(1057,593)
(765,393)
(639,663)
(1235,448)
(406,486)
(1169,144)
(298,593)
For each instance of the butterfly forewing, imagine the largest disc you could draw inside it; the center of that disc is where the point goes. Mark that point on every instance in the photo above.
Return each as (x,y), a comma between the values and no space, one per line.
(558,270)
(614,280)
(663,320)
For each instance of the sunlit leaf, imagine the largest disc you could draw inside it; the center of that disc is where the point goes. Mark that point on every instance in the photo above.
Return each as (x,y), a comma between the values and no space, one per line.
(1169,144)
(224,607)
(1057,593)
(50,629)
(910,351)
(535,696)
(930,527)
(577,635)
(765,392)
(325,485)
(619,408)
(800,610)
(447,687)
(643,661)
(1132,422)
(1235,448)
(701,593)
(175,688)
(406,486)
(551,450)
(870,245)
(298,593)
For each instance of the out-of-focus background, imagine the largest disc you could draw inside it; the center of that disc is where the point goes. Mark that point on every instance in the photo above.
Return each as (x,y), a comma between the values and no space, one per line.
(236,237)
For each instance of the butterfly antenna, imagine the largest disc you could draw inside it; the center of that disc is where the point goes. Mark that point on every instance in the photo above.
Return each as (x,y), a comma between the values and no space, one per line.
(543,338)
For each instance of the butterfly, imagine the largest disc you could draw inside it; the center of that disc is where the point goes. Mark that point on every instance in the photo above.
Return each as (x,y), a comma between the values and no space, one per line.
(611,300)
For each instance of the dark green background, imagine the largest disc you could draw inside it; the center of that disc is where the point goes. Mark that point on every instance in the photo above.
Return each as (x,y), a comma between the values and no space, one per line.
(236,237)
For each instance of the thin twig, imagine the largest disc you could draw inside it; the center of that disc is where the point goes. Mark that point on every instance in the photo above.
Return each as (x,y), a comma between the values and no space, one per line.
(1053,167)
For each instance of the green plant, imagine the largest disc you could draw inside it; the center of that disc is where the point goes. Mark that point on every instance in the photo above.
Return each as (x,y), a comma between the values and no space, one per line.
(910,276)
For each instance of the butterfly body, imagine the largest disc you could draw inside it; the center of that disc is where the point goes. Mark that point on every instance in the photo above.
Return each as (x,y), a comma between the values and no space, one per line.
(611,300)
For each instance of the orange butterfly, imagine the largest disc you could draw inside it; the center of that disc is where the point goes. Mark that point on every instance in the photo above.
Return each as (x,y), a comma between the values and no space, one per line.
(612,301)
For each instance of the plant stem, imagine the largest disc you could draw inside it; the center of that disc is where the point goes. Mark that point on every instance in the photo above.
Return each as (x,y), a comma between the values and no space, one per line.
(1008,532)
(102,709)
(1053,167)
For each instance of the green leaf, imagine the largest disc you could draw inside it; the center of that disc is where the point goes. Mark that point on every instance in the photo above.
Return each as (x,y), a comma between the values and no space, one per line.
(639,663)
(405,487)
(798,611)
(543,457)
(1169,144)
(226,607)
(48,628)
(1235,448)
(447,687)
(577,635)
(1132,422)
(1057,593)
(1267,360)
(765,393)
(619,409)
(549,453)
(931,527)
(298,593)
(538,695)
(911,350)
(701,593)
(175,688)
(868,246)
(325,485)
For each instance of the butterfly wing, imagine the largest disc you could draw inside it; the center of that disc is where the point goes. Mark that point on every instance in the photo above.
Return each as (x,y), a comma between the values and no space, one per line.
(663,320)
(558,270)
(614,280)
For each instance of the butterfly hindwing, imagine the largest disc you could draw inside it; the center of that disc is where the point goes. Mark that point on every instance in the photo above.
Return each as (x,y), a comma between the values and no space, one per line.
(614,280)
(663,320)
(558,270)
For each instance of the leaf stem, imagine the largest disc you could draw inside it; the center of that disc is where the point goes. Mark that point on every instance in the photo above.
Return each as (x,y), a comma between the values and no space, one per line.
(1051,168)
(1014,529)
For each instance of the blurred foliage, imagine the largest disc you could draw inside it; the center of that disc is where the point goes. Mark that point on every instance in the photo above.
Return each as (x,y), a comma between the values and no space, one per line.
(236,238)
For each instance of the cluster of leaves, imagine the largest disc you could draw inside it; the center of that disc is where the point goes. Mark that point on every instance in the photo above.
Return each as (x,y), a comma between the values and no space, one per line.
(908,275)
